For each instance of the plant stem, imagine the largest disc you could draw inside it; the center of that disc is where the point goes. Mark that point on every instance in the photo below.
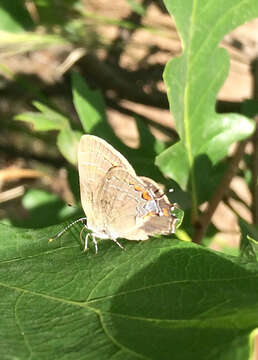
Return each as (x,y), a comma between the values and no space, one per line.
(254,166)
(254,186)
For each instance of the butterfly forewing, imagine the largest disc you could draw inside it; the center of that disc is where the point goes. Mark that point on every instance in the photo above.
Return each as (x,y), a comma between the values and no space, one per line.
(95,158)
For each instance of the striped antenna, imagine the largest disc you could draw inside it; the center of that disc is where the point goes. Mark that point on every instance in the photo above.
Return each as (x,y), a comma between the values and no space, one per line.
(83,220)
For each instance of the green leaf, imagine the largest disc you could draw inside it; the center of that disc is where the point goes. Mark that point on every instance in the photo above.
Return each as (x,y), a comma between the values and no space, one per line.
(249,241)
(136,7)
(68,142)
(14,17)
(179,214)
(73,181)
(46,120)
(250,108)
(159,299)
(88,103)
(24,42)
(48,10)
(43,209)
(193,81)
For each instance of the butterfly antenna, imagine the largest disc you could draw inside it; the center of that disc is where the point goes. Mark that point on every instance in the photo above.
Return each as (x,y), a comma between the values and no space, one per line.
(165,193)
(83,220)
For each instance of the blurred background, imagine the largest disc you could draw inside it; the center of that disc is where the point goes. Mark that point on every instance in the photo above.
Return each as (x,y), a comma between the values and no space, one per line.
(122,51)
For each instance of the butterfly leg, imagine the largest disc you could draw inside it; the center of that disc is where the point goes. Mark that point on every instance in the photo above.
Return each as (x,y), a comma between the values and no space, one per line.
(95,244)
(173,228)
(121,247)
(86,242)
(81,239)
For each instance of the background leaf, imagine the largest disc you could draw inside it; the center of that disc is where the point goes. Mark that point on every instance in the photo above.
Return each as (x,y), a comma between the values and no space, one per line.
(67,142)
(88,103)
(49,119)
(193,81)
(249,241)
(136,6)
(159,299)
(14,17)
(37,204)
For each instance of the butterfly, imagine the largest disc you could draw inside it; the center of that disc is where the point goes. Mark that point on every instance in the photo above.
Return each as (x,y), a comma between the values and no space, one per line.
(118,203)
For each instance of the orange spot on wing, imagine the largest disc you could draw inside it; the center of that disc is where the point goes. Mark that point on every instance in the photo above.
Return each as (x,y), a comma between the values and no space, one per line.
(165,212)
(145,193)
(150,214)
(138,188)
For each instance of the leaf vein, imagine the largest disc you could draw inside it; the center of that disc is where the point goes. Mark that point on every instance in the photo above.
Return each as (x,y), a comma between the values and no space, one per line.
(115,342)
(218,25)
(19,326)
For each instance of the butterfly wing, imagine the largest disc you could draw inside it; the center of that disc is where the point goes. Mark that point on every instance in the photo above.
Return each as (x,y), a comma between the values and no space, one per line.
(134,207)
(116,202)
(95,158)
(164,224)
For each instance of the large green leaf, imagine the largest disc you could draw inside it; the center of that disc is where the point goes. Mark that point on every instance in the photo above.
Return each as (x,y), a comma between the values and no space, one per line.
(159,299)
(193,81)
